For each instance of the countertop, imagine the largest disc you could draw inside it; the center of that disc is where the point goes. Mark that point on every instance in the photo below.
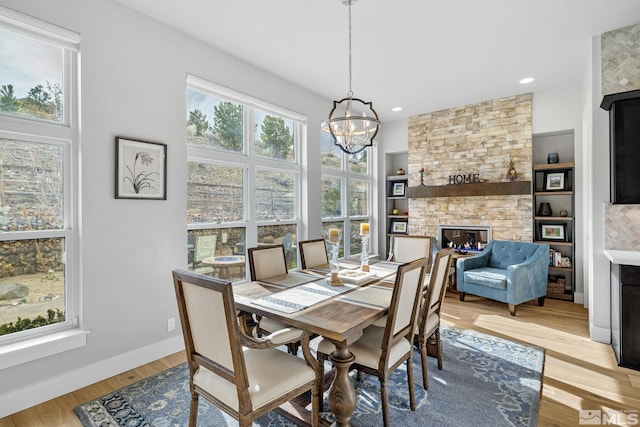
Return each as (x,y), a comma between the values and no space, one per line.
(623,257)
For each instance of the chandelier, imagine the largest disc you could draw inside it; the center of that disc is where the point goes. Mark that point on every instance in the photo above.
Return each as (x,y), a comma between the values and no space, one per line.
(353,123)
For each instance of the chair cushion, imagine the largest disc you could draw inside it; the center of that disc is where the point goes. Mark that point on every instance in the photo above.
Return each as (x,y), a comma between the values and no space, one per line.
(433,323)
(367,349)
(271,373)
(486,276)
(271,325)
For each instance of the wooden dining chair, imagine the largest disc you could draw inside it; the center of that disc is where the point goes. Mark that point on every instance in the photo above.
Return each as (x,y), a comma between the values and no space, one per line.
(408,248)
(428,326)
(313,253)
(242,375)
(265,262)
(379,351)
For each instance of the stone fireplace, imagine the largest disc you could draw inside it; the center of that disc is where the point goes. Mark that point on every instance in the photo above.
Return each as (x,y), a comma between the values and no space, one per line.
(478,140)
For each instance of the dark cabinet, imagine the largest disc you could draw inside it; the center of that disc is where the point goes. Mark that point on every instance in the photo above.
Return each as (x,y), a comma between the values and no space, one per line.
(626,339)
(624,140)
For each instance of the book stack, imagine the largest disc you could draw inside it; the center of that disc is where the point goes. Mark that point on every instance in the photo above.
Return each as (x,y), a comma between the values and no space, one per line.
(555,258)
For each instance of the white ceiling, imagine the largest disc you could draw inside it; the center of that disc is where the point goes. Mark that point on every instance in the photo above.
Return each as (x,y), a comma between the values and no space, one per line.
(422,55)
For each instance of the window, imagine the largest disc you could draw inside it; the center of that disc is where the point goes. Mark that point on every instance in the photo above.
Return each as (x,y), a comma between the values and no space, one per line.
(347,182)
(38,150)
(243,178)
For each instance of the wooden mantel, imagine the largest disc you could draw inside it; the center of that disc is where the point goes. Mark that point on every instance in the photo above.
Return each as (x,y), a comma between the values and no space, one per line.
(471,189)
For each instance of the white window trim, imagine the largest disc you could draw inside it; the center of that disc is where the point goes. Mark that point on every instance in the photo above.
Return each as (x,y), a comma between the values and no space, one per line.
(345,175)
(249,161)
(32,349)
(49,340)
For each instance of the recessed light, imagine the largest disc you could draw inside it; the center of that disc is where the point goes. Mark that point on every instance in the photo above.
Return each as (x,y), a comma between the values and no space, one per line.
(526,80)
(396,109)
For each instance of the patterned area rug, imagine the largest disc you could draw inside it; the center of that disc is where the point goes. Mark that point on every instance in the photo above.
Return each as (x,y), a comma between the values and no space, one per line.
(485,380)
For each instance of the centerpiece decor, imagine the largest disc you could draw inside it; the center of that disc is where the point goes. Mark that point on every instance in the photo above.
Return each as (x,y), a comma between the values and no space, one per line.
(334,265)
(364,255)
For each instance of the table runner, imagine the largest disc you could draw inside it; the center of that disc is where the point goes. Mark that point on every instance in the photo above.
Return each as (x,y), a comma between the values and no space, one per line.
(303,296)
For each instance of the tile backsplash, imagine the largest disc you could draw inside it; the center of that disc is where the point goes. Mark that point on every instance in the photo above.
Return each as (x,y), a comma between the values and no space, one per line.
(622,227)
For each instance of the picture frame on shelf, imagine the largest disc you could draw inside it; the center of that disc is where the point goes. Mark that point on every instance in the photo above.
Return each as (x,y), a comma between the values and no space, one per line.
(141,169)
(555,181)
(399,189)
(399,227)
(553,232)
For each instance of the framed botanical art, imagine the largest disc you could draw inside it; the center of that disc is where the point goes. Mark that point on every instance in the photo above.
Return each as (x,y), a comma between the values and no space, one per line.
(141,169)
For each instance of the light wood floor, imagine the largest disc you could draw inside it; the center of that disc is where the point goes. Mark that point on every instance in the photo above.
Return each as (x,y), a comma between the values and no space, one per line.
(578,373)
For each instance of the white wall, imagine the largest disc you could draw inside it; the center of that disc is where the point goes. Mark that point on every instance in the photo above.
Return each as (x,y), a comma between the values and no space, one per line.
(133,73)
(393,138)
(599,266)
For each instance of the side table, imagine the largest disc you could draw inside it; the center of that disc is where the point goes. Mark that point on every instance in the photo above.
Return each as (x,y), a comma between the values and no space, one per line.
(224,262)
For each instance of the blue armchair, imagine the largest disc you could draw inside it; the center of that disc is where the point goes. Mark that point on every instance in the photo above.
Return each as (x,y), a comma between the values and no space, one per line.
(507,271)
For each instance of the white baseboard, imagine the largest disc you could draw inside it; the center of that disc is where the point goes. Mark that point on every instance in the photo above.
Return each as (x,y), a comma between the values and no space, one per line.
(598,334)
(578,298)
(36,393)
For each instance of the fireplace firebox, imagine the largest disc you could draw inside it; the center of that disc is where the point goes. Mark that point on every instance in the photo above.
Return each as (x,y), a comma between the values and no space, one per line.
(464,238)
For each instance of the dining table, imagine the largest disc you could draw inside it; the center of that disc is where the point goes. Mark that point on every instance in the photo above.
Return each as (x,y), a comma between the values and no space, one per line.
(307,300)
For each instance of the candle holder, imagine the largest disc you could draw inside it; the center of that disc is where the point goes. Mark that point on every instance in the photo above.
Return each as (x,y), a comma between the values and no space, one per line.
(421,176)
(334,265)
(364,255)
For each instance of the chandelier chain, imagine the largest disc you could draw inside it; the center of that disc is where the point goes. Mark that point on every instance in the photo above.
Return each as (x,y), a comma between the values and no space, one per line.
(352,123)
(350,93)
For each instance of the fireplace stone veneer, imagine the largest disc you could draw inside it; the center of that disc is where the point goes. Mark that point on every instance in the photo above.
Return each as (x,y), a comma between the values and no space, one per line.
(478,139)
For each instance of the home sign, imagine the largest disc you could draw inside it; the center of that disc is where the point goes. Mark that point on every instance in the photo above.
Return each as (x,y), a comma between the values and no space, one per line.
(464,179)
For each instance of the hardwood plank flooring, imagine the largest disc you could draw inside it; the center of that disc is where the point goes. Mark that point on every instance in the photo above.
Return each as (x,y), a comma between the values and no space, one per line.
(578,373)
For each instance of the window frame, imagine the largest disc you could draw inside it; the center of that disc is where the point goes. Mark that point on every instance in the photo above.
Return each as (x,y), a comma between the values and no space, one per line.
(345,175)
(249,160)
(20,347)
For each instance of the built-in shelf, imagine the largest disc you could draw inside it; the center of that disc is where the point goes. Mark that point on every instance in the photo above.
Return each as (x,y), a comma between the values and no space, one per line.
(560,268)
(553,166)
(398,216)
(553,218)
(471,189)
(554,243)
(567,297)
(553,193)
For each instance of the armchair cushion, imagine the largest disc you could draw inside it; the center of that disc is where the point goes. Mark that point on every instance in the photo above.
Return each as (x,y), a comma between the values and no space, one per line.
(508,271)
(487,276)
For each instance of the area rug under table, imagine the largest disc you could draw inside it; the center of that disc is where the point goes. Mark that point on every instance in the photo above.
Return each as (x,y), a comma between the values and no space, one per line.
(485,380)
